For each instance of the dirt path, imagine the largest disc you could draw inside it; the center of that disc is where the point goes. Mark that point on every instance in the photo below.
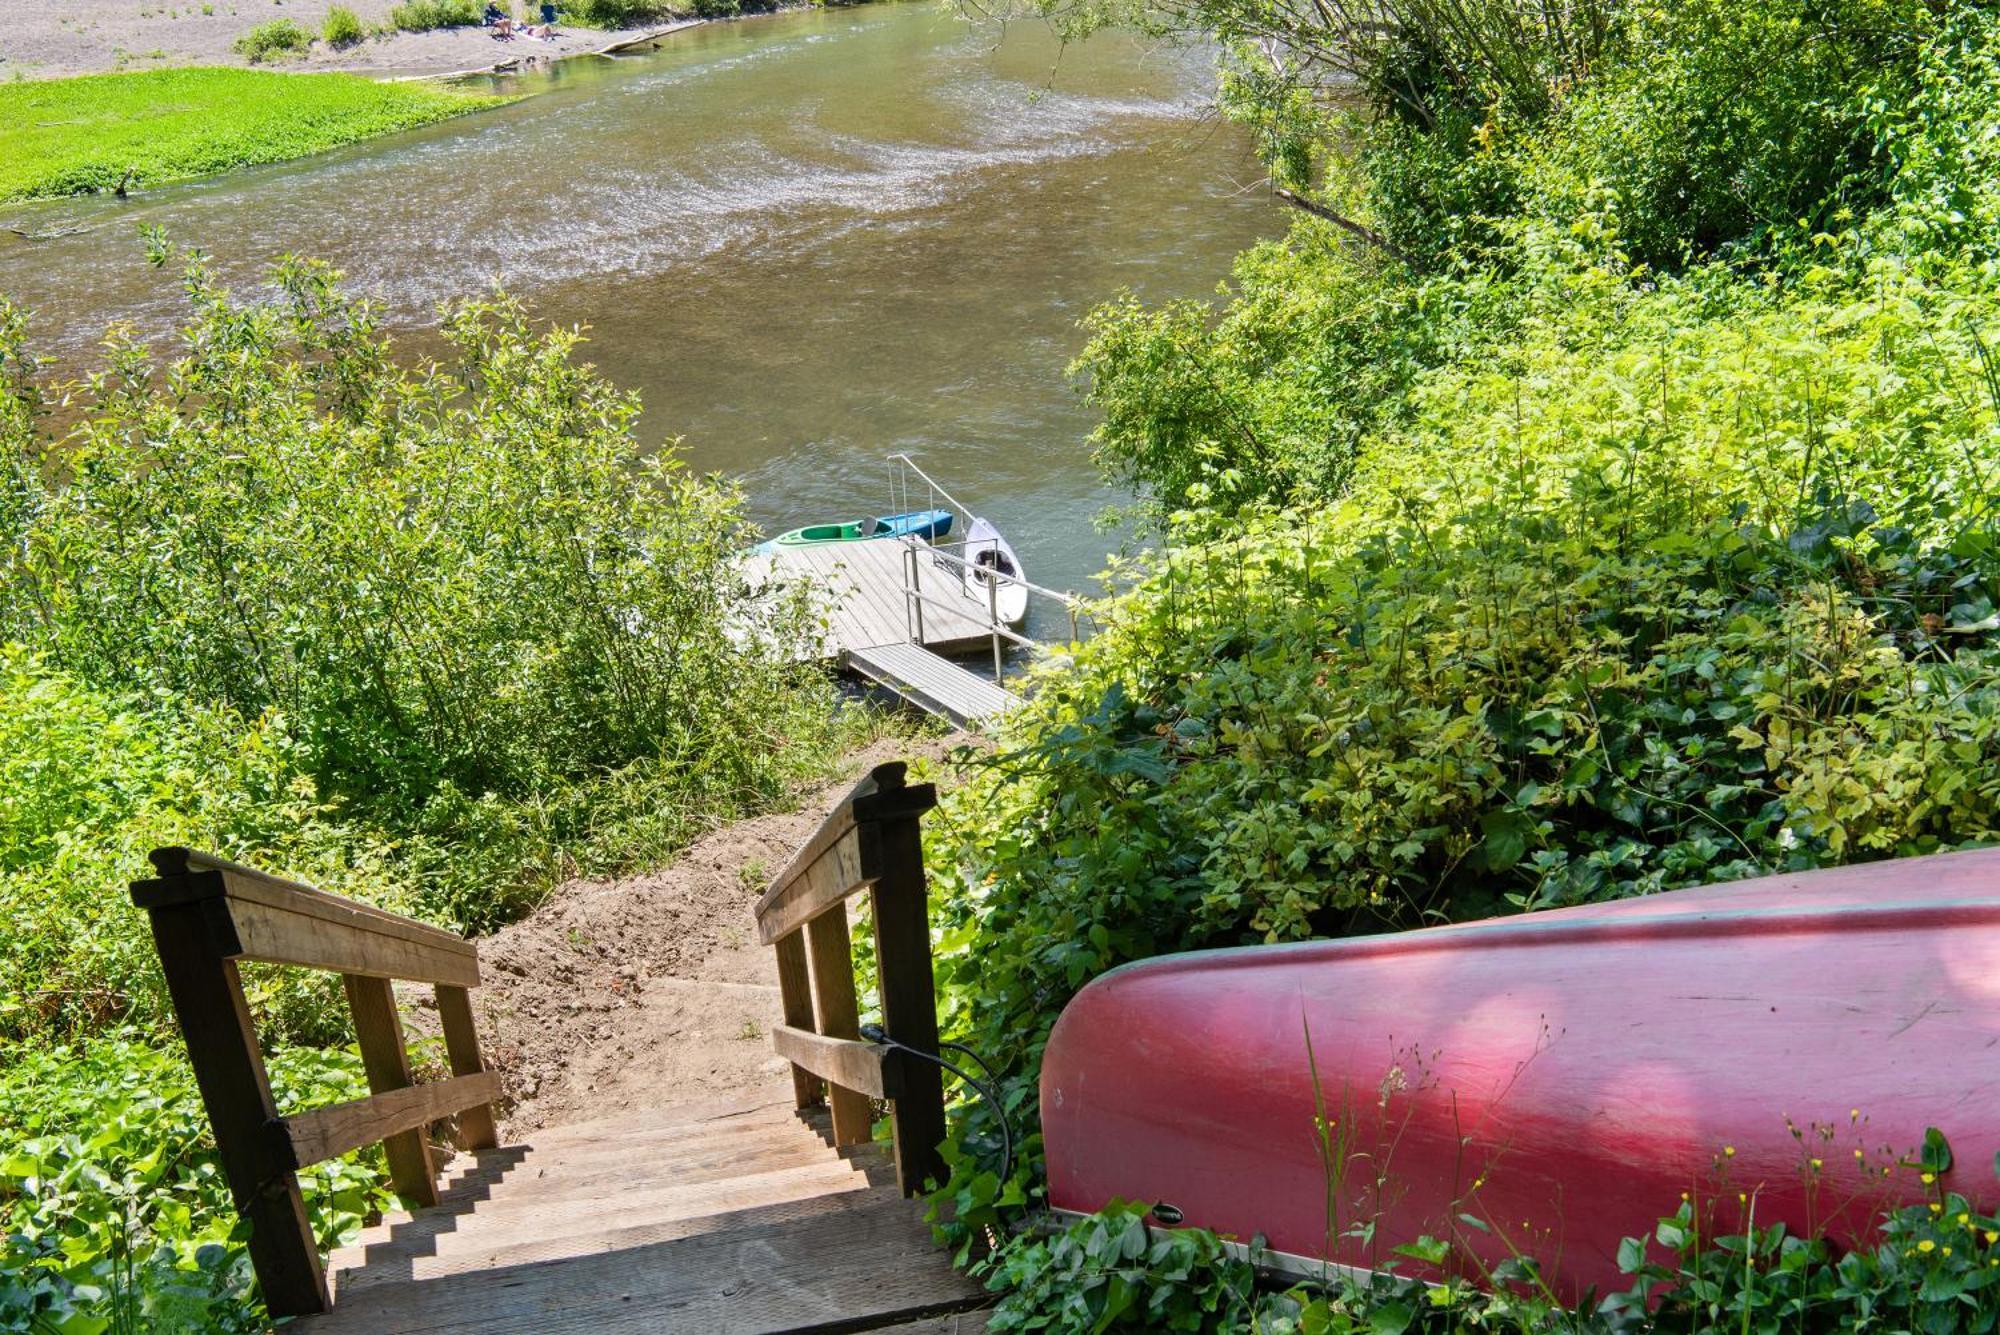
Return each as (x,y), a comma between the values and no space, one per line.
(65,37)
(649,991)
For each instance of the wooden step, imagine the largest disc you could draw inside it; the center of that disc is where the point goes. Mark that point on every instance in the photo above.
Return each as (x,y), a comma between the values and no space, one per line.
(831,1271)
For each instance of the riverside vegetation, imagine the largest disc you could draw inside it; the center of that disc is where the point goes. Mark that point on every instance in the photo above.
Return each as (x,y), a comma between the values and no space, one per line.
(101,131)
(433,636)
(1591,496)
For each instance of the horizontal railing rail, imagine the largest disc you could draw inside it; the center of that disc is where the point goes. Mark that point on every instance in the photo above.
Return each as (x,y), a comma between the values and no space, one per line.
(872,841)
(208,915)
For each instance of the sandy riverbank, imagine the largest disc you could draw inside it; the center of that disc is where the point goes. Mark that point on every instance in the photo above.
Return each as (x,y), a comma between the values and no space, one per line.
(68,37)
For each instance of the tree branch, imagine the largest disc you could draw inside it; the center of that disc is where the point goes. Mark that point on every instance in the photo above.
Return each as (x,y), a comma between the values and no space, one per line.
(1345,224)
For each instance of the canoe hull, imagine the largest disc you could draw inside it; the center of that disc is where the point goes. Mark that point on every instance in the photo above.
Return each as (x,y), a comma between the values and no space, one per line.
(1561,1077)
(986,548)
(929,525)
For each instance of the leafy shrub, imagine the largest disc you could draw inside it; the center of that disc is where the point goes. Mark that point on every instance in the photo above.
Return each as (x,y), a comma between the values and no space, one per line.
(423,15)
(112,1204)
(273,40)
(459,587)
(624,13)
(88,784)
(342,27)
(1596,617)
(1933,1266)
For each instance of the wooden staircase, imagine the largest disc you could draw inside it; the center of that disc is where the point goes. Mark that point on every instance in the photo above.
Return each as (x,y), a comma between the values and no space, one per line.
(744,1219)
(779,1214)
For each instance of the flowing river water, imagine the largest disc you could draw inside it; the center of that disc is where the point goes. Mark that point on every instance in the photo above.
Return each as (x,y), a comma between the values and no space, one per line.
(807,240)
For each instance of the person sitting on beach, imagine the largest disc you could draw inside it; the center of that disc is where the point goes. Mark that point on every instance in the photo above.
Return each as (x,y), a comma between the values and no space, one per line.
(542,31)
(492,15)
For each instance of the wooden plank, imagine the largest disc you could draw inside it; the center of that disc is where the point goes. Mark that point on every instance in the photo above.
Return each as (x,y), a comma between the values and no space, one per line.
(795,987)
(868,1068)
(820,886)
(208,1001)
(278,935)
(180,870)
(387,1062)
(434,1245)
(835,1271)
(909,1000)
(461,1042)
(323,1133)
(836,1015)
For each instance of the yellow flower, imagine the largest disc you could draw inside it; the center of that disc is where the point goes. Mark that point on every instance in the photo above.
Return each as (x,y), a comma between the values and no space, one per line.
(1936,1208)
(1817,1165)
(1964,1218)
(1947,1251)
(1926,1245)
(1929,1178)
(1729,1151)
(1992,1235)
(1857,1154)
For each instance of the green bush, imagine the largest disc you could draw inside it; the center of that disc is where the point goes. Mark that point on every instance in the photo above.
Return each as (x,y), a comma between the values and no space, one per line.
(113,1207)
(423,15)
(342,28)
(89,783)
(1933,1267)
(622,13)
(273,40)
(463,588)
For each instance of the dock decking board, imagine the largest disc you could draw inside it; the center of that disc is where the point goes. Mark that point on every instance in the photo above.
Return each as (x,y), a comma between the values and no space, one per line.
(931,683)
(870,630)
(863,584)
(747,1223)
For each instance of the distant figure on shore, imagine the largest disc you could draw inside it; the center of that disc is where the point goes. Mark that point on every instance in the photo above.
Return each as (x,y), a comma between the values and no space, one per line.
(499,20)
(548,14)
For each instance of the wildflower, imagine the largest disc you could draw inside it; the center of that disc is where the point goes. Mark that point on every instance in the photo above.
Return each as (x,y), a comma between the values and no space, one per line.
(1936,1208)
(1926,1245)
(1729,1151)
(1929,1178)
(1817,1165)
(1963,1219)
(1947,1250)
(1992,1235)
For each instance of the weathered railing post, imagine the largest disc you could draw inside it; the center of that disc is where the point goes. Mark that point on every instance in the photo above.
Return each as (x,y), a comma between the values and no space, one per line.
(207,913)
(872,840)
(903,969)
(197,944)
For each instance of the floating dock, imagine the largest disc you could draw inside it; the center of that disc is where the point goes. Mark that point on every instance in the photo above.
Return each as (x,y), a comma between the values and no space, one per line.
(898,606)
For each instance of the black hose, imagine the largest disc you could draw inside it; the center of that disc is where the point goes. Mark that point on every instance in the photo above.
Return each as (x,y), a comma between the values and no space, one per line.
(874,1033)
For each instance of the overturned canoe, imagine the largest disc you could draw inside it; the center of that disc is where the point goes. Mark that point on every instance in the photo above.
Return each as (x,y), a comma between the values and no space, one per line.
(1547,1085)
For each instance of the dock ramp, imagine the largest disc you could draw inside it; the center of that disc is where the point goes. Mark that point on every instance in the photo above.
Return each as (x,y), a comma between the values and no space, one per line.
(932,683)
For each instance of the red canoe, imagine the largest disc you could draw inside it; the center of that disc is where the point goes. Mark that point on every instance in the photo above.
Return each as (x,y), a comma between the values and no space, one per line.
(1561,1077)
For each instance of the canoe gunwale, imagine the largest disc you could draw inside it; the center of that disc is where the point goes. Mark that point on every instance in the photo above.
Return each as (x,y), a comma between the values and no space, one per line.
(1518,933)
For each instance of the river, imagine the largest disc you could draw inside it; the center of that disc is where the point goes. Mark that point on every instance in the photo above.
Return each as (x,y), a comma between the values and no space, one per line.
(807,240)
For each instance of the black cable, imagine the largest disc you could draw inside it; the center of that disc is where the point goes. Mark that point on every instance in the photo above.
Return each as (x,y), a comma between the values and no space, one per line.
(874,1033)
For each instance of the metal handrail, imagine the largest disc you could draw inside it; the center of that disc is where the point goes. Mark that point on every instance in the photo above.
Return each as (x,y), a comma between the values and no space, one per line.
(938,549)
(932,482)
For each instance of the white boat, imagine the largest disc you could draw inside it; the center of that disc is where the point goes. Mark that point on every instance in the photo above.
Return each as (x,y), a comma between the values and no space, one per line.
(987,552)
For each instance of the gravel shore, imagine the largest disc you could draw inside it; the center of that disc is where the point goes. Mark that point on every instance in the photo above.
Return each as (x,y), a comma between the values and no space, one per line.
(57,38)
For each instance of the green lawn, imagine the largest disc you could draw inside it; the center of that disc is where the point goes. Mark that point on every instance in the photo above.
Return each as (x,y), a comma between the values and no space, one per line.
(73,136)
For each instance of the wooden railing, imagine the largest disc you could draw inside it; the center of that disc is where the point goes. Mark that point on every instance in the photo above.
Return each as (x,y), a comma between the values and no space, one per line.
(872,841)
(208,914)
